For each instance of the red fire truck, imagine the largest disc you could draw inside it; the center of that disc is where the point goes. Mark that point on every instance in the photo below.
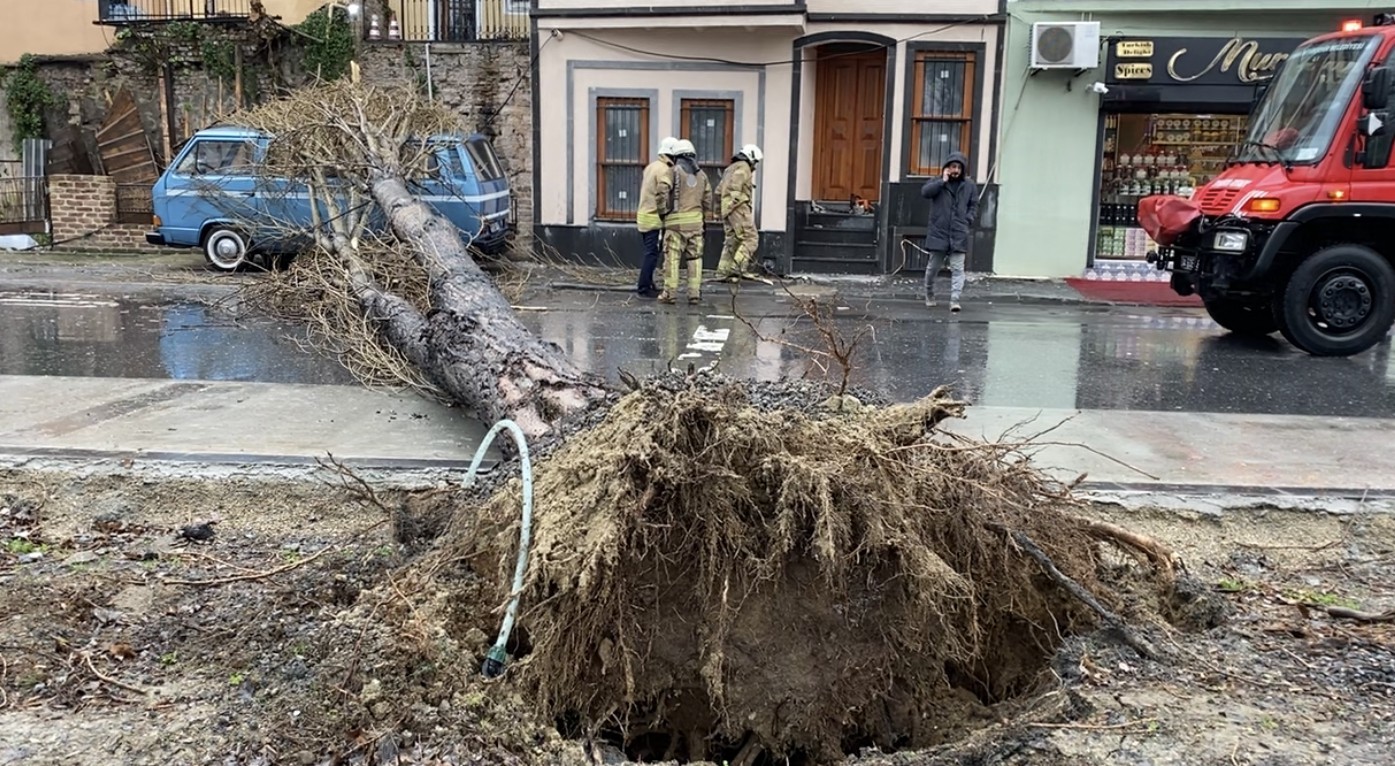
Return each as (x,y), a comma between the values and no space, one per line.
(1298,234)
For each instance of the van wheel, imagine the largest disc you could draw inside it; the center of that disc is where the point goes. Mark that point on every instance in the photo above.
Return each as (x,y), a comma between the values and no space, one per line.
(225,249)
(1241,317)
(1338,302)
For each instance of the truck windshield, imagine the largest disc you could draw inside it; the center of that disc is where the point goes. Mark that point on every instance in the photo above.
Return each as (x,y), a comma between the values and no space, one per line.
(1298,116)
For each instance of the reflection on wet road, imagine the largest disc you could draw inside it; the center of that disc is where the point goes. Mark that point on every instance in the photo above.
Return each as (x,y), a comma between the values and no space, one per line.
(1088,357)
(101,336)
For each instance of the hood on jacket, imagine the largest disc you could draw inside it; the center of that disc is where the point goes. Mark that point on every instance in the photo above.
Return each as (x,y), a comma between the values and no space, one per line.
(963,161)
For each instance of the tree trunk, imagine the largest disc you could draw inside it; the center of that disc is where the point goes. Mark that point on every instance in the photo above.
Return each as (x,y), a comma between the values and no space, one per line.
(471,342)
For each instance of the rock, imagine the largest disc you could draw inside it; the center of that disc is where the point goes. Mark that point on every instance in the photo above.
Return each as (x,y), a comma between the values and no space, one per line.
(305,758)
(372,691)
(476,638)
(81,557)
(198,532)
(381,710)
(30,558)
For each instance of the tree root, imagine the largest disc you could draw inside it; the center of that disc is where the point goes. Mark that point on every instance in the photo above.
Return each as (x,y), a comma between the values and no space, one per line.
(1158,554)
(1113,622)
(1345,613)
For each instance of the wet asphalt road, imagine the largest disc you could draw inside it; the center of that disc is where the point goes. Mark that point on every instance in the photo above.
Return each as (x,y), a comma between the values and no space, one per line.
(1088,357)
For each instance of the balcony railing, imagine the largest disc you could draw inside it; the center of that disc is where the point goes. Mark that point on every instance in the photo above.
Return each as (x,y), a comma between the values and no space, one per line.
(454,21)
(117,12)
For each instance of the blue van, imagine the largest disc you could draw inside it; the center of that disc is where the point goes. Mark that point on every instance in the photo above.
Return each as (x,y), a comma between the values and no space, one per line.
(214,197)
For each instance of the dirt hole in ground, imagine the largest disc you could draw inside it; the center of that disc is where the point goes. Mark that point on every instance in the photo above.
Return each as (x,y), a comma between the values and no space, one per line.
(718,575)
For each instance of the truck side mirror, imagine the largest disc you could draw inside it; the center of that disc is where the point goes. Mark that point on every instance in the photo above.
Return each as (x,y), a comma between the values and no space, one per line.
(1375,91)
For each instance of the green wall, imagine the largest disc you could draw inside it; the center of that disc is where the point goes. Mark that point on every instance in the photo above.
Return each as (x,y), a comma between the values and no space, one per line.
(1049,134)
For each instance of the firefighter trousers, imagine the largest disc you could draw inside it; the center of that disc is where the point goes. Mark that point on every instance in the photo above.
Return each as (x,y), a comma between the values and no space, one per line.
(739,242)
(684,249)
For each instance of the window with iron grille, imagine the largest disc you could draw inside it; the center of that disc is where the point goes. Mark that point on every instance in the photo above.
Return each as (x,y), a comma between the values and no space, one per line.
(710,124)
(942,120)
(622,151)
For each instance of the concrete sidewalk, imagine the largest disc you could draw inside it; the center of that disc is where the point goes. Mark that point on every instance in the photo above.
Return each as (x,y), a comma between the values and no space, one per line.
(217,422)
(260,424)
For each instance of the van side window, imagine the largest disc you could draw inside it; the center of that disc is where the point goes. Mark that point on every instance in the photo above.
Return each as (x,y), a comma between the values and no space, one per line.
(219,157)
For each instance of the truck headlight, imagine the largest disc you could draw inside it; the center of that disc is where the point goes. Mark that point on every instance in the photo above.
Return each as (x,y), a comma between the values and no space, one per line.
(1231,241)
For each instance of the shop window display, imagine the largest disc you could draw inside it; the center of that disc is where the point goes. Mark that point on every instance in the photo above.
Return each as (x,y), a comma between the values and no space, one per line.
(1147,154)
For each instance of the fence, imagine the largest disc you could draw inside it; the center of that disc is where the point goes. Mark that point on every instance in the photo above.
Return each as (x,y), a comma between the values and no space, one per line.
(131,11)
(459,21)
(23,202)
(134,204)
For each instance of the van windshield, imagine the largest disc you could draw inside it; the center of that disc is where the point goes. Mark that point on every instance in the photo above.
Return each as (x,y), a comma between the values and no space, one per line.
(1299,114)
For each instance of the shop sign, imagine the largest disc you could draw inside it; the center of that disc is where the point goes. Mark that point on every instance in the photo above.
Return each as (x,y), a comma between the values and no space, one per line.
(1134,49)
(1131,71)
(1202,60)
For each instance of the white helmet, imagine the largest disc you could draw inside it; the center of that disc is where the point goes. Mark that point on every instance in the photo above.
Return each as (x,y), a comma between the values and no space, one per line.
(751,152)
(666,146)
(683,148)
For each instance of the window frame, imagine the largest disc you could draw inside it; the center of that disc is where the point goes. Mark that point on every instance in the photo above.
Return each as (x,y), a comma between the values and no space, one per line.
(971,113)
(686,104)
(188,164)
(599,211)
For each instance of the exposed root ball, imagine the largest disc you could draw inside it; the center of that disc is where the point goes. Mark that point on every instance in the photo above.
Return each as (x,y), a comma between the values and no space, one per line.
(704,572)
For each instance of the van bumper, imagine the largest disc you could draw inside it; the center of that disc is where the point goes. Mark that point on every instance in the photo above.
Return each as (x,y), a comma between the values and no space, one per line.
(492,241)
(155,238)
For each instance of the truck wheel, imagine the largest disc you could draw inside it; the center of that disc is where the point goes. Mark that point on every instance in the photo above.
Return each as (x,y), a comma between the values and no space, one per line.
(225,248)
(1339,302)
(1241,317)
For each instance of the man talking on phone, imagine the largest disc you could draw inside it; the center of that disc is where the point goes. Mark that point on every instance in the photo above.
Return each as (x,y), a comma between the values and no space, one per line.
(953,203)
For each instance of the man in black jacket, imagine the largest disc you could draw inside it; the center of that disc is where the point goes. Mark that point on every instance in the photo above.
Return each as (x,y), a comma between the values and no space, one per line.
(953,203)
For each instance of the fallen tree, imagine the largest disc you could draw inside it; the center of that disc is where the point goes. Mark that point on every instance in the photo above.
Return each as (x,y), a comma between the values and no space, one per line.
(720,568)
(356,149)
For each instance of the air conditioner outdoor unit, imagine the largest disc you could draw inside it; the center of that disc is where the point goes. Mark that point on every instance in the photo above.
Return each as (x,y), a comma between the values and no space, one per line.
(1065,45)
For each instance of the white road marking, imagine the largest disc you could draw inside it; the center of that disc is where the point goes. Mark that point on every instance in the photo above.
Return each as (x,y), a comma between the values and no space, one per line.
(707,341)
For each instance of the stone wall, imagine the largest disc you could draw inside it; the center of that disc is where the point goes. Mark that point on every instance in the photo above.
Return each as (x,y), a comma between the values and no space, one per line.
(82,212)
(489,84)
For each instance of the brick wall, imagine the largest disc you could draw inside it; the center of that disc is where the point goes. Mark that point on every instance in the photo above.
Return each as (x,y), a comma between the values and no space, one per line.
(489,84)
(82,210)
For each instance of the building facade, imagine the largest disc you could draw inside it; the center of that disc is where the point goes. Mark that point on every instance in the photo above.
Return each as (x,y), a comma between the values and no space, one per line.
(847,105)
(1179,78)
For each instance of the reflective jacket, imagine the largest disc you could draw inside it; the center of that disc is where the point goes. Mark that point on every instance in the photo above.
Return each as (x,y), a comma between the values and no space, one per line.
(737,186)
(692,193)
(655,195)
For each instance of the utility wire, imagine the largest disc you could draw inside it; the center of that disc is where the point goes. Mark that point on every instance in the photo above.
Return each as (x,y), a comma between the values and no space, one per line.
(799,60)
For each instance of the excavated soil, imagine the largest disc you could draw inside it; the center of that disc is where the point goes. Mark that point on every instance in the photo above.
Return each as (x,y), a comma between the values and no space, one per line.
(316,626)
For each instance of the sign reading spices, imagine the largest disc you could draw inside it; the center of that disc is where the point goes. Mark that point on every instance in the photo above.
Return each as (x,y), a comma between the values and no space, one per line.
(1133,71)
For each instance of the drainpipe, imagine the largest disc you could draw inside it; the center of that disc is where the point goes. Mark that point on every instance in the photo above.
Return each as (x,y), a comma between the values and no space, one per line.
(430,96)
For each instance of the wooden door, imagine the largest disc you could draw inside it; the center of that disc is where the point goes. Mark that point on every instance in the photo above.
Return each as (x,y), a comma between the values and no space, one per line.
(849,113)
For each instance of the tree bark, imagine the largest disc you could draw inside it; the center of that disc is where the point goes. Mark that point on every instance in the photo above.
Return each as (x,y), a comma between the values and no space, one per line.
(470,343)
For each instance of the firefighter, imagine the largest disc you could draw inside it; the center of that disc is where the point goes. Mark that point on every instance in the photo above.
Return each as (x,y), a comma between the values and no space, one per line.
(692,201)
(655,194)
(740,238)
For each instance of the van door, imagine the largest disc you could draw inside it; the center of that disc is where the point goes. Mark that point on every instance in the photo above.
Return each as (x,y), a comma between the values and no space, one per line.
(212,181)
(493,197)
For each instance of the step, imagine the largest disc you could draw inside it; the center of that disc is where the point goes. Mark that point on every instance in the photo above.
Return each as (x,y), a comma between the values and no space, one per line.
(820,251)
(842,221)
(833,266)
(836,237)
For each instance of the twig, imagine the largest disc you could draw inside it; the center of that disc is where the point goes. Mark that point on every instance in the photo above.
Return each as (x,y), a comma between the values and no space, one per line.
(257,576)
(354,483)
(1344,613)
(1111,620)
(87,657)
(1314,548)
(1091,726)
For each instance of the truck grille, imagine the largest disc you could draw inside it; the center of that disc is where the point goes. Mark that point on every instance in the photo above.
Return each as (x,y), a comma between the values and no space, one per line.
(1215,201)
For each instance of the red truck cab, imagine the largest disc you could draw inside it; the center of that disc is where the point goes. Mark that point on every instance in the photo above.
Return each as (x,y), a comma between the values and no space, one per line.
(1298,233)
